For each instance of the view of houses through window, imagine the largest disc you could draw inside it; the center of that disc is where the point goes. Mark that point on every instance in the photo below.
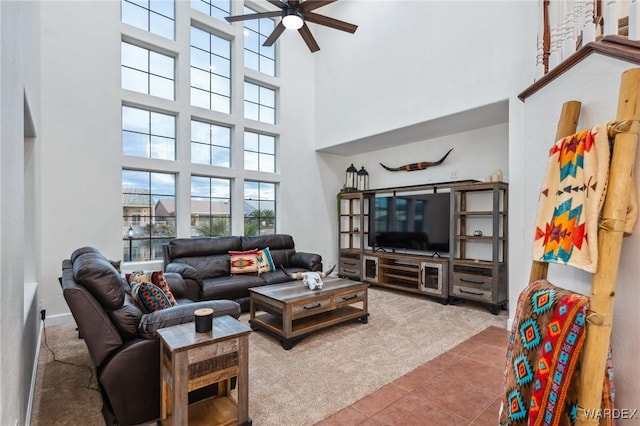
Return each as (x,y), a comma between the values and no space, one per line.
(178,135)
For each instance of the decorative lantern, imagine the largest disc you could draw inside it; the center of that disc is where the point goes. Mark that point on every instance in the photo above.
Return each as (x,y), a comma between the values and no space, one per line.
(363,179)
(350,179)
(130,235)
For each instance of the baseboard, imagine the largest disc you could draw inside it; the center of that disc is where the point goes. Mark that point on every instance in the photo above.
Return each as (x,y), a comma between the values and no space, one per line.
(509,323)
(34,375)
(59,319)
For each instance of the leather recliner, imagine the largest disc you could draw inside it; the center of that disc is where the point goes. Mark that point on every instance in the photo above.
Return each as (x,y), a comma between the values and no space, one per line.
(121,338)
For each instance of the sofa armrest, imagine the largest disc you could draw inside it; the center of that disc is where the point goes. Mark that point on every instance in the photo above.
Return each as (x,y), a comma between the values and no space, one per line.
(150,323)
(309,261)
(176,284)
(187,271)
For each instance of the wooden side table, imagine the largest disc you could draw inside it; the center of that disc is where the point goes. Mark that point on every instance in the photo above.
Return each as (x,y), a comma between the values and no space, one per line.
(190,360)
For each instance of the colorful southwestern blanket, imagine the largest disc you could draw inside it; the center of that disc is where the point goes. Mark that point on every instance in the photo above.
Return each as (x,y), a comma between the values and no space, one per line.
(572,196)
(543,358)
(571,199)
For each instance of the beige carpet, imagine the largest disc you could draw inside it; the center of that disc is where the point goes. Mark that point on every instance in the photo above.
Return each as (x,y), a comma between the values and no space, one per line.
(322,374)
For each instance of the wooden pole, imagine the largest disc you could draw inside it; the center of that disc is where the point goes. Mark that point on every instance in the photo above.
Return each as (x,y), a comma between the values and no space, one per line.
(603,287)
(567,125)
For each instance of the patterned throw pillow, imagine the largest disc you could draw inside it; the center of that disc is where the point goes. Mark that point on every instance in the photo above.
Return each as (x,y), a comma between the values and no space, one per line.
(158,278)
(265,262)
(137,277)
(243,262)
(150,297)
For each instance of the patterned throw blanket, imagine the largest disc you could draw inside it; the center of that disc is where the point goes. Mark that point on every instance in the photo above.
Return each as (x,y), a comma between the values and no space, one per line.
(572,196)
(571,199)
(542,369)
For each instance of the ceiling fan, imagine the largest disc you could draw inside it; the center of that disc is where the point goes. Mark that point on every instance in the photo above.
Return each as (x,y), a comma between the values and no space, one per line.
(295,15)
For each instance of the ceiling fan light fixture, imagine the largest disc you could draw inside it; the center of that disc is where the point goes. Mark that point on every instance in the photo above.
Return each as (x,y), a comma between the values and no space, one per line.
(292,18)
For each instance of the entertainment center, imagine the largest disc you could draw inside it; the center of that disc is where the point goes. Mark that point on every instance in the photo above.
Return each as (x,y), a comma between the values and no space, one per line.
(445,240)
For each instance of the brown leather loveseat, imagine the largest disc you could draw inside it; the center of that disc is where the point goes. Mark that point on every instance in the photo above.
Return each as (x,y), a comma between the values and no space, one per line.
(204,264)
(121,338)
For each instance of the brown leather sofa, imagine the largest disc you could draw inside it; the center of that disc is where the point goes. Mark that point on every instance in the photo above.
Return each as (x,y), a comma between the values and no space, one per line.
(121,338)
(204,264)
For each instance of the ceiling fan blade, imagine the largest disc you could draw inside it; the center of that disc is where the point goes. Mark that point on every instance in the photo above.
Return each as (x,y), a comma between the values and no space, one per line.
(274,34)
(330,22)
(308,38)
(253,16)
(309,5)
(278,3)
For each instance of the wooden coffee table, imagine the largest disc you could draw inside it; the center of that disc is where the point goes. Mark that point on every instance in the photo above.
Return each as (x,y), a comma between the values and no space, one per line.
(291,310)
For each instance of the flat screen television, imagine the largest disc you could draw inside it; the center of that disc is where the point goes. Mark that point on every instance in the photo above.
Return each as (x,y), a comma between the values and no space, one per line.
(417,222)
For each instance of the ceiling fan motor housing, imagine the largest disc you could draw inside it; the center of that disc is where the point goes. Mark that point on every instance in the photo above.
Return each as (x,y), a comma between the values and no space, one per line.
(292,18)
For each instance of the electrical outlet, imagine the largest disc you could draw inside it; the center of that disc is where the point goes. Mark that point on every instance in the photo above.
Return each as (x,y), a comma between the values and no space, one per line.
(454,174)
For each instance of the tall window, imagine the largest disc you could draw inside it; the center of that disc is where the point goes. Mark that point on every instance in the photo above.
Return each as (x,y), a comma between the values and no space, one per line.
(259,103)
(259,208)
(148,133)
(148,213)
(210,206)
(210,144)
(215,8)
(256,56)
(154,16)
(259,152)
(146,71)
(210,71)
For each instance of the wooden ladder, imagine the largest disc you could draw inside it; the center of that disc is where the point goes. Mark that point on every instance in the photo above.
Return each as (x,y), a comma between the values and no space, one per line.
(610,234)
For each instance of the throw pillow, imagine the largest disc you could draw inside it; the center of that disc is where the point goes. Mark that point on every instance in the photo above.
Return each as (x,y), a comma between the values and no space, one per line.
(242,262)
(150,297)
(265,262)
(158,278)
(137,277)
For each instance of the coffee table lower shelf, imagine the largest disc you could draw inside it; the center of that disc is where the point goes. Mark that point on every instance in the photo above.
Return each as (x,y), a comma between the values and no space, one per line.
(300,328)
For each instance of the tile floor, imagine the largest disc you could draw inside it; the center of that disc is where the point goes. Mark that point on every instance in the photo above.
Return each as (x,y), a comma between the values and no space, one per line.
(460,387)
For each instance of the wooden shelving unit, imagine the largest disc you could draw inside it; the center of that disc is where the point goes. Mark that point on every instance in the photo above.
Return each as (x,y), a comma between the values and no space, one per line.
(353,222)
(479,235)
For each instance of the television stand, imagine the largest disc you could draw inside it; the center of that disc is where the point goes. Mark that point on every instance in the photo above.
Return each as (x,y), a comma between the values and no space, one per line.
(421,274)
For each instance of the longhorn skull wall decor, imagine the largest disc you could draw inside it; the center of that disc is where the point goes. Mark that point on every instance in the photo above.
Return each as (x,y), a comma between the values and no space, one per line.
(417,166)
(313,280)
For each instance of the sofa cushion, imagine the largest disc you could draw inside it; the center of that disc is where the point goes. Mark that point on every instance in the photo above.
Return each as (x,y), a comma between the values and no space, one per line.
(281,257)
(229,287)
(265,262)
(97,274)
(204,246)
(278,276)
(242,262)
(273,241)
(206,266)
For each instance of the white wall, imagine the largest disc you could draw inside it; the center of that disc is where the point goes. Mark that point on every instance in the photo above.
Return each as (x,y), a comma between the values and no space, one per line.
(19,322)
(595,83)
(488,146)
(413,61)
